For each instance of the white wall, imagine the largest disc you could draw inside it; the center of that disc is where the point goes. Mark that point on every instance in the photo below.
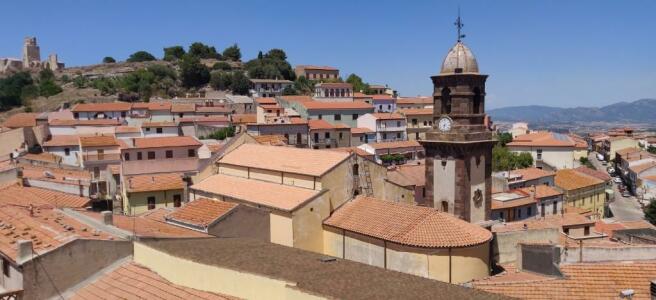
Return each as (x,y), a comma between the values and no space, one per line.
(72,159)
(558,157)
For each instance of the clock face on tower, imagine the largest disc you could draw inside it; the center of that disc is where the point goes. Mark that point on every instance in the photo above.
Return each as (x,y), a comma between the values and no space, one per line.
(444,124)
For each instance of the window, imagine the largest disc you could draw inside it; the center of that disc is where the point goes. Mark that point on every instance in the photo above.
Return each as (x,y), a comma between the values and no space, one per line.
(151,203)
(380,107)
(338,117)
(151,154)
(446,101)
(180,115)
(500,215)
(147,128)
(398,123)
(67,151)
(398,135)
(586,230)
(191,153)
(341,135)
(169,153)
(445,206)
(355,116)
(316,137)
(287,137)
(101,154)
(76,115)
(123,114)
(542,212)
(519,213)
(5,267)
(566,230)
(356,170)
(320,117)
(139,156)
(539,151)
(327,135)
(414,122)
(389,107)
(177,200)
(126,156)
(298,138)
(159,130)
(528,211)
(555,207)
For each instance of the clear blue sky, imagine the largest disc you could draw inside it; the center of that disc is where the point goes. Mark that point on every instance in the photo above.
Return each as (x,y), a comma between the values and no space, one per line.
(560,53)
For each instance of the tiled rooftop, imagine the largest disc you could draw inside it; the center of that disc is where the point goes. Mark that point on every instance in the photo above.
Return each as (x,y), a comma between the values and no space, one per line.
(149,224)
(133,281)
(100,107)
(416,111)
(19,120)
(543,139)
(570,179)
(154,182)
(284,159)
(93,122)
(243,118)
(98,141)
(13,194)
(164,142)
(397,144)
(273,195)
(59,175)
(388,116)
(406,224)
(316,105)
(595,173)
(580,281)
(552,221)
(62,140)
(531,173)
(408,175)
(201,212)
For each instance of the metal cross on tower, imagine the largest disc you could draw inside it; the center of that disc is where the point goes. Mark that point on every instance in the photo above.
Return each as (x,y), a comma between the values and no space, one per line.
(459,25)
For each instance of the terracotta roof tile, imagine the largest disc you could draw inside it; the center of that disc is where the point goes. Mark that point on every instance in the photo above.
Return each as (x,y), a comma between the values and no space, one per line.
(316,105)
(66,176)
(323,68)
(320,124)
(101,107)
(243,118)
(201,212)
(98,141)
(643,166)
(570,179)
(133,281)
(383,97)
(361,130)
(93,122)
(531,173)
(212,109)
(271,140)
(397,144)
(201,119)
(542,191)
(415,100)
(543,139)
(149,224)
(388,116)
(44,156)
(595,173)
(158,124)
(334,85)
(14,194)
(155,182)
(580,281)
(169,141)
(416,111)
(284,159)
(408,175)
(406,224)
(62,140)
(20,120)
(127,129)
(183,107)
(273,195)
(552,221)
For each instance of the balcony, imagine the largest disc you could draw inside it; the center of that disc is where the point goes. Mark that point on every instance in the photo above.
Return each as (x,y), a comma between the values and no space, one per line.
(324,142)
(390,128)
(101,157)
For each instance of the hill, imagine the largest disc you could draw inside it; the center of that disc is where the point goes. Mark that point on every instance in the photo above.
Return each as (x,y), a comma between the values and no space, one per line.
(639,111)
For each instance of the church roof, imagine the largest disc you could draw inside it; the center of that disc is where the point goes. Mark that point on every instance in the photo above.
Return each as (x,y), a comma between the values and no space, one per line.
(459,60)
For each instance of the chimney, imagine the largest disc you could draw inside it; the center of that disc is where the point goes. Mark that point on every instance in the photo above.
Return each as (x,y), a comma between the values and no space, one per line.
(107,217)
(25,251)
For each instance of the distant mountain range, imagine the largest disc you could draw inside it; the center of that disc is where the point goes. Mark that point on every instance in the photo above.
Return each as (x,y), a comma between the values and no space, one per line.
(639,111)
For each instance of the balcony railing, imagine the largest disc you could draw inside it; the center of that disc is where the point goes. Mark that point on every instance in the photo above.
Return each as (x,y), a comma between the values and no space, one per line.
(101,157)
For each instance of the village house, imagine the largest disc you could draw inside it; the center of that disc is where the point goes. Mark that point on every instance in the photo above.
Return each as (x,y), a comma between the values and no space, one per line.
(141,193)
(325,135)
(159,129)
(178,154)
(386,152)
(127,132)
(298,187)
(333,92)
(519,178)
(527,202)
(295,133)
(83,127)
(418,121)
(71,181)
(583,191)
(383,103)
(333,112)
(410,239)
(414,102)
(111,110)
(199,126)
(388,126)
(97,152)
(549,150)
(268,87)
(240,104)
(632,164)
(360,135)
(613,144)
(379,89)
(406,184)
(65,146)
(316,72)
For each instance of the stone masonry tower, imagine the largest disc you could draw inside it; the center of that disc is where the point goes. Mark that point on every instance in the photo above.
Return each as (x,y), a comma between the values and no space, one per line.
(459,146)
(31,53)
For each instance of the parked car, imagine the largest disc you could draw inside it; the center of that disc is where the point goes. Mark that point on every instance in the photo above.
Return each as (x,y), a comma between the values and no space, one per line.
(617,180)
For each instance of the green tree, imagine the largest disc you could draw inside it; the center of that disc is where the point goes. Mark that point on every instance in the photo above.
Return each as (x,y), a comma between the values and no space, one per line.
(240,83)
(201,50)
(303,86)
(49,88)
(289,90)
(80,81)
(29,92)
(358,84)
(108,60)
(270,66)
(222,65)
(278,54)
(650,211)
(505,138)
(220,80)
(651,149)
(140,56)
(192,72)
(504,160)
(11,89)
(232,53)
(173,53)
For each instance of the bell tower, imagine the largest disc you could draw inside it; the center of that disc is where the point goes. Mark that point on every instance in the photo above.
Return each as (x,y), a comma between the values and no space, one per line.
(459,146)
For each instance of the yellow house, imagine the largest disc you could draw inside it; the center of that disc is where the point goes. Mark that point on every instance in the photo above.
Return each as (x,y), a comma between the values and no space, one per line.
(419,120)
(582,191)
(613,144)
(410,239)
(142,193)
(298,187)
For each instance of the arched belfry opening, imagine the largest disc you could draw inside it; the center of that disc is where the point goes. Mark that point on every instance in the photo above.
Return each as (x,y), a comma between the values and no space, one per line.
(446,101)
(477,101)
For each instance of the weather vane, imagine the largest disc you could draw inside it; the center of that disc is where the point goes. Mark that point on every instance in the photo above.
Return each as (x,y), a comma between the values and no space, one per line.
(459,25)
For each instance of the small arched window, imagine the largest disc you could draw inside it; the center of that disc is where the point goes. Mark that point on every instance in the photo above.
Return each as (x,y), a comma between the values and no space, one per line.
(446,101)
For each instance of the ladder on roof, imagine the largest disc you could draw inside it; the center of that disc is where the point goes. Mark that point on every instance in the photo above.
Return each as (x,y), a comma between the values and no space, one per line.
(368,189)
